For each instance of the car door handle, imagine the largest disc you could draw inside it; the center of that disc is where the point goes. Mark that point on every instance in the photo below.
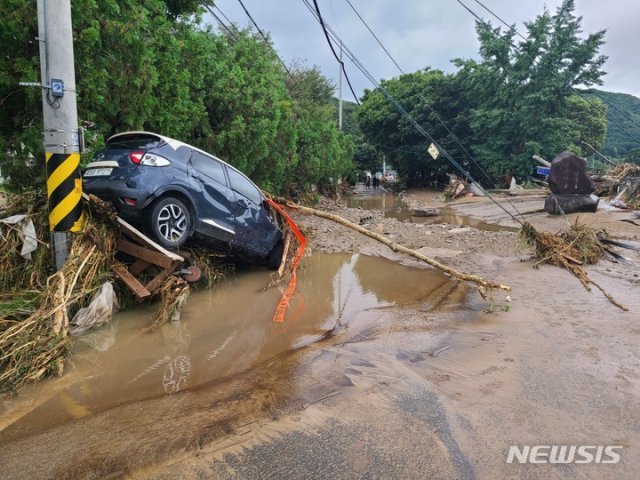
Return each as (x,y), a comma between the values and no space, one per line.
(196,176)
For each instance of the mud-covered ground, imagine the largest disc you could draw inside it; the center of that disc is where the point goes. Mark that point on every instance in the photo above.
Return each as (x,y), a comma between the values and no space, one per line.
(433,387)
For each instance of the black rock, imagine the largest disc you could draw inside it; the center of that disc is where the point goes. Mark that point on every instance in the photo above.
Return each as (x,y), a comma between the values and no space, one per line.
(568,175)
(556,204)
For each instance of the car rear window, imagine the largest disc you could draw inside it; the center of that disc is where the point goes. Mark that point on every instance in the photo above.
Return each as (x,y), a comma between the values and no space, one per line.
(134,141)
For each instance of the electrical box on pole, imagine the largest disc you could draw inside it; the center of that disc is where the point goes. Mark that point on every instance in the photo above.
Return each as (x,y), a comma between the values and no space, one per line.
(61,134)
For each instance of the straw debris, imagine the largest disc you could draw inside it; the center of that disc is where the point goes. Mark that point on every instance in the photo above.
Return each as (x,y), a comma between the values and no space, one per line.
(36,346)
(572,249)
(35,305)
(173,295)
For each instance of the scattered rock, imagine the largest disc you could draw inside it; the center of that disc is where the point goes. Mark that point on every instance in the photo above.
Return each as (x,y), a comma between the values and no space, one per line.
(460,230)
(429,212)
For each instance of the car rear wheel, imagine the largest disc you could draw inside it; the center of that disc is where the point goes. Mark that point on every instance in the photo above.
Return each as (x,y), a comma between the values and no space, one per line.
(170,222)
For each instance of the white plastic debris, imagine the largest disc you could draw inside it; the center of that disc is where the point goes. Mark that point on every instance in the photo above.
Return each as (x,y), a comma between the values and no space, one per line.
(99,311)
(27,232)
(477,190)
(514,185)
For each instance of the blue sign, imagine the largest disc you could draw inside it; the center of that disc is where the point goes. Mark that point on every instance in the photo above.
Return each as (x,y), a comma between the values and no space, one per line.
(57,87)
(543,170)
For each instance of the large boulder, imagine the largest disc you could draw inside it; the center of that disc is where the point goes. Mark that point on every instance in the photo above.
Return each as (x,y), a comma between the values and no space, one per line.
(557,204)
(568,175)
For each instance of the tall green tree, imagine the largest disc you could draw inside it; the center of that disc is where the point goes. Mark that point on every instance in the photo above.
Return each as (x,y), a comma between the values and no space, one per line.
(524,89)
(325,154)
(20,120)
(154,66)
(433,99)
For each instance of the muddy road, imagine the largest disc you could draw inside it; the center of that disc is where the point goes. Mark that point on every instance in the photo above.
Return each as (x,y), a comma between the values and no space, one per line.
(384,368)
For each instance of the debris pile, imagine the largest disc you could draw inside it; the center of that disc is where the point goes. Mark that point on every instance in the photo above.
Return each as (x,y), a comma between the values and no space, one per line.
(173,295)
(621,184)
(578,246)
(36,307)
(37,303)
(457,188)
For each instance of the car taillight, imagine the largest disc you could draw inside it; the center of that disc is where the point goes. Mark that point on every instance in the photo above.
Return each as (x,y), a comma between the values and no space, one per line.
(151,160)
(136,157)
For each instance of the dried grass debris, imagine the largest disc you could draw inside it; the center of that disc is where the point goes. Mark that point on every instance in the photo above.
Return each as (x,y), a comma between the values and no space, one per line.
(573,249)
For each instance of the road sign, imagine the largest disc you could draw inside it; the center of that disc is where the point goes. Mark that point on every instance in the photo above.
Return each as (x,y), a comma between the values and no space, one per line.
(543,170)
(433,151)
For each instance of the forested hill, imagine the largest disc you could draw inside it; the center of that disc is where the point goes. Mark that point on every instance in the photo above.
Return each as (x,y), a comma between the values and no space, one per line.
(623,113)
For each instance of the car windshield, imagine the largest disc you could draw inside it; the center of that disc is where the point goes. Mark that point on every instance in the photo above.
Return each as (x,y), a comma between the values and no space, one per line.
(134,141)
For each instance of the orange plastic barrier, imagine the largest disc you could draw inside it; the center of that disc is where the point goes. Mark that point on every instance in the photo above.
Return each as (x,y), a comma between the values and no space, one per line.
(283,304)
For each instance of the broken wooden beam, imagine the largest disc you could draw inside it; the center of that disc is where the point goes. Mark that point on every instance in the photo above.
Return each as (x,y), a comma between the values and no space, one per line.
(143,253)
(139,290)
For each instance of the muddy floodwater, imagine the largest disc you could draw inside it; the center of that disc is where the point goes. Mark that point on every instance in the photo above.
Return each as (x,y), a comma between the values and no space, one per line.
(393,207)
(382,369)
(223,332)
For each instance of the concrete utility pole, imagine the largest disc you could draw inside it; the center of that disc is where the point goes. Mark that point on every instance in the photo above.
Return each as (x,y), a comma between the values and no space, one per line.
(340,92)
(61,135)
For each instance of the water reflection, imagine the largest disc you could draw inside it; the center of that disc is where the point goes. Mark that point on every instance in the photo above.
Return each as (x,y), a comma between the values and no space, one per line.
(223,332)
(394,207)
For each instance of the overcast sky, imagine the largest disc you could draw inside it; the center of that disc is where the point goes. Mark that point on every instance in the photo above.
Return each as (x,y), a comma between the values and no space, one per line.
(421,33)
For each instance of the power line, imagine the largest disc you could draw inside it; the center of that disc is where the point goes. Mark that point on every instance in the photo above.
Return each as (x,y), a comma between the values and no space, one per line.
(223,15)
(374,36)
(324,29)
(221,23)
(555,74)
(438,117)
(264,37)
(330,32)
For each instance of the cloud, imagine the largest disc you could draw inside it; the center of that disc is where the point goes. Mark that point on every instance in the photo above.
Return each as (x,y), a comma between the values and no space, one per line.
(420,34)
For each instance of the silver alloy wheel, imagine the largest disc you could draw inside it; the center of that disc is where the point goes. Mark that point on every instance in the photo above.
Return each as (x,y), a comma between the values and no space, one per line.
(172,222)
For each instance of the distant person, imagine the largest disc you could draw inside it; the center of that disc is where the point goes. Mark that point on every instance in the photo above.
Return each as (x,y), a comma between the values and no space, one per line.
(367,182)
(376,182)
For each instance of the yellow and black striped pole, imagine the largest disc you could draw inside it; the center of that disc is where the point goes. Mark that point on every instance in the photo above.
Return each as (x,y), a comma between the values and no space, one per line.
(60,120)
(64,190)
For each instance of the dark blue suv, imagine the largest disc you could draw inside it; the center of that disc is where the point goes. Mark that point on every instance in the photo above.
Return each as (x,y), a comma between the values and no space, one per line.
(177,192)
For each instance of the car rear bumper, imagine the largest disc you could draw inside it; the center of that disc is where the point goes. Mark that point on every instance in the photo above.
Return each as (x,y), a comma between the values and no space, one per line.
(129,202)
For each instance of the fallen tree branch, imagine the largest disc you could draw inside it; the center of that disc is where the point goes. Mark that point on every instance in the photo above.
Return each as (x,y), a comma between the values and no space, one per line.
(482,284)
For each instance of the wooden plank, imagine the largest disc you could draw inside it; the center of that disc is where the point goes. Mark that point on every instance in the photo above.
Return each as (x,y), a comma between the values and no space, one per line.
(137,235)
(157,281)
(145,254)
(138,267)
(132,282)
